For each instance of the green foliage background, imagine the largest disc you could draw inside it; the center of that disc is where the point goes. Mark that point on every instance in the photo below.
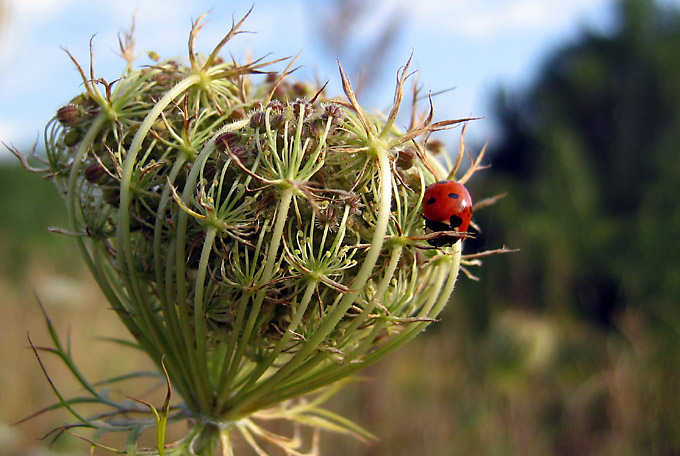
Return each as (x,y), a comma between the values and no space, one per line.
(570,346)
(589,157)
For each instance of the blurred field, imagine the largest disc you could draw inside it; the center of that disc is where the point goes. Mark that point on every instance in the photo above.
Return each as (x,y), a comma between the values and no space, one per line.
(36,265)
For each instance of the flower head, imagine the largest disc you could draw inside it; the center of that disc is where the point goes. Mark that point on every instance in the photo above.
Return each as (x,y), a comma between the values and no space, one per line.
(258,239)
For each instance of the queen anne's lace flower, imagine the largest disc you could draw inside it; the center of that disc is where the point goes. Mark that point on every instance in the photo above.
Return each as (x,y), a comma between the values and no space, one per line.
(259,240)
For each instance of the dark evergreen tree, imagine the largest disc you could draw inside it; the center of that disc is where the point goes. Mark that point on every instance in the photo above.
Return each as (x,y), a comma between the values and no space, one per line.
(589,157)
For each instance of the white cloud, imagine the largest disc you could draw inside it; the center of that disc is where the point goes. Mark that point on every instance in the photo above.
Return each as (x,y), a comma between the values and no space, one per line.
(36,10)
(488,19)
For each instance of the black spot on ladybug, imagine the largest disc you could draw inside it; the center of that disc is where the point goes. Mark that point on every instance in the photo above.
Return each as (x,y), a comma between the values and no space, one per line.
(455,221)
(431,201)
(454,196)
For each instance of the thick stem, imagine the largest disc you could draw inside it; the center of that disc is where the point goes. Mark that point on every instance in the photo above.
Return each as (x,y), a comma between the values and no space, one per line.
(212,440)
(73,195)
(199,308)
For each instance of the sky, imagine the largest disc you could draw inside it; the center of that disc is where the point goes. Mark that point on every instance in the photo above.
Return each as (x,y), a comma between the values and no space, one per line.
(470,46)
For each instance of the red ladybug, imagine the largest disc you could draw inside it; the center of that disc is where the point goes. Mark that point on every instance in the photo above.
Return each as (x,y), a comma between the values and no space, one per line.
(447,206)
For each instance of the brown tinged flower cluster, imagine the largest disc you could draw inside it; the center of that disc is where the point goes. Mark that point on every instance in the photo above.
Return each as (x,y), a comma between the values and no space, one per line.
(259,240)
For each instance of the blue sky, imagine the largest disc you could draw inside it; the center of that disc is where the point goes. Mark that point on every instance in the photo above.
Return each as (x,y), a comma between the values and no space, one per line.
(472,45)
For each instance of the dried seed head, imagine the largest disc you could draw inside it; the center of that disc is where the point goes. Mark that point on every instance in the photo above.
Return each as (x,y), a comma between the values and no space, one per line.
(257,120)
(332,110)
(95,173)
(229,216)
(354,202)
(435,146)
(227,140)
(328,216)
(278,121)
(69,115)
(300,104)
(405,158)
(276,105)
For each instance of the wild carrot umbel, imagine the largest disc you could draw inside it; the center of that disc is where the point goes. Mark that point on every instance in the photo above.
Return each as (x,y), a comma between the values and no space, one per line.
(259,240)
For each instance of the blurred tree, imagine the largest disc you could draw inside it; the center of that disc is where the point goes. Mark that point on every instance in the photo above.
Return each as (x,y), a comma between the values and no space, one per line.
(588,156)
(360,34)
(29,205)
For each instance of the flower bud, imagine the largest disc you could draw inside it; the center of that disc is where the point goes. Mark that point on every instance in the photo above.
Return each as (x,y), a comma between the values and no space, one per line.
(276,105)
(257,120)
(334,112)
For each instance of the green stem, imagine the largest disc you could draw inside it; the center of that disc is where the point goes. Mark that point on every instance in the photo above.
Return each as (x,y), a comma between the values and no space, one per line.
(126,262)
(164,280)
(224,383)
(73,195)
(94,263)
(123,229)
(265,364)
(199,308)
(378,296)
(443,285)
(277,234)
(194,341)
(198,367)
(244,401)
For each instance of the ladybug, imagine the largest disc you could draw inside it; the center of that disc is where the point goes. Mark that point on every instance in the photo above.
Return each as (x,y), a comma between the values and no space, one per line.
(447,206)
